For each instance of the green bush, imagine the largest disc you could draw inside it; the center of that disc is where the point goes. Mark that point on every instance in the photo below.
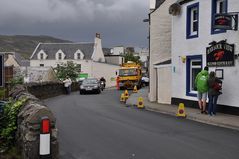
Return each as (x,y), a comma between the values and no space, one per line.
(16,81)
(2,93)
(9,122)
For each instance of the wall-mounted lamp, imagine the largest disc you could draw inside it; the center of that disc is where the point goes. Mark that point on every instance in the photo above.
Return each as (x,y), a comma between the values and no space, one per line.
(183,59)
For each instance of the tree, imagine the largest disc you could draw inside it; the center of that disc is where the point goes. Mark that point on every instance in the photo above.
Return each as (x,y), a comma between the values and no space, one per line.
(129,56)
(69,68)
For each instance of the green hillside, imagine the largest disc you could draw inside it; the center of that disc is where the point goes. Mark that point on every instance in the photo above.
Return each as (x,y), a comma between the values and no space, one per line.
(23,44)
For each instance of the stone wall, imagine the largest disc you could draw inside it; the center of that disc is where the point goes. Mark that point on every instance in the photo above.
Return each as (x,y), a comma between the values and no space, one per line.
(29,119)
(49,89)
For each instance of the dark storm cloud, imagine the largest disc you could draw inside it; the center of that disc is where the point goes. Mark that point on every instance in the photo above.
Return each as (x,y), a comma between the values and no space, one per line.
(119,22)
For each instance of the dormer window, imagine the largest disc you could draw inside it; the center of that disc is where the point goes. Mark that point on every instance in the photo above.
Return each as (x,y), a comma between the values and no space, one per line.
(59,56)
(41,56)
(78,55)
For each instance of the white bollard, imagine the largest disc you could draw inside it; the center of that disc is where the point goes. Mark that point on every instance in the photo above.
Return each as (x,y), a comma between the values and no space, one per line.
(45,138)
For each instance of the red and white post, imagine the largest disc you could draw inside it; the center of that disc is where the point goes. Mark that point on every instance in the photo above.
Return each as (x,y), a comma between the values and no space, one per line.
(45,138)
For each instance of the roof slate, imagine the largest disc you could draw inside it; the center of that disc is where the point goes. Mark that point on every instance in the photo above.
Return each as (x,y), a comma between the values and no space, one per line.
(21,61)
(159,3)
(68,49)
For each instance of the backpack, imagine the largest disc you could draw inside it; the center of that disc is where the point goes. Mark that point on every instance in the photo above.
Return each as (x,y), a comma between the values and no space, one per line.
(217,86)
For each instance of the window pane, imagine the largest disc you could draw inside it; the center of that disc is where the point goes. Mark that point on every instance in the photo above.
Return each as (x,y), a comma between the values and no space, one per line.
(221,7)
(41,56)
(195,26)
(195,14)
(59,55)
(195,71)
(196,63)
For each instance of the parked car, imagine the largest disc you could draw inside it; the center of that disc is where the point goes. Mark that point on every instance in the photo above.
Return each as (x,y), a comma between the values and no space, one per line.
(90,85)
(145,81)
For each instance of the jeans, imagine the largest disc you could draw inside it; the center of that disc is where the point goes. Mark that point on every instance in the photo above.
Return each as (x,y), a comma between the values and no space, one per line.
(212,104)
(68,89)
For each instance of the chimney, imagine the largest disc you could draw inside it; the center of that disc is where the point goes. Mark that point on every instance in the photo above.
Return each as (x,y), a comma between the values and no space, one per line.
(97,35)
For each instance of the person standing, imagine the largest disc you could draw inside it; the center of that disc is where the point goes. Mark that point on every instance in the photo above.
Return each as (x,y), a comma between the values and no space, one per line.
(215,85)
(201,83)
(67,84)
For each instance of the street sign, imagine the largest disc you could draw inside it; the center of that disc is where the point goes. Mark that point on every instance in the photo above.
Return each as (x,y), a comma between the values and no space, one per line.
(2,70)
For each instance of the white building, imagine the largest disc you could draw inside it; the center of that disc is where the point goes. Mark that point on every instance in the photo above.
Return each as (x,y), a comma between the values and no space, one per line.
(118,50)
(160,51)
(195,44)
(89,56)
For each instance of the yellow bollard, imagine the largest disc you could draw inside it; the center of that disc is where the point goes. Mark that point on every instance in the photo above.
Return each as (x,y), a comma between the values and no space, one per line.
(135,90)
(122,98)
(181,111)
(126,94)
(140,103)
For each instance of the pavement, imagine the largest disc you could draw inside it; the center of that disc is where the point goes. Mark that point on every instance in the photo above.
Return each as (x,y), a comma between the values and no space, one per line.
(221,120)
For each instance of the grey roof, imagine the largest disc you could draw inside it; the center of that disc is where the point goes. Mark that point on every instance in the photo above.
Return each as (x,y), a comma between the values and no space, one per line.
(21,61)
(159,3)
(183,1)
(164,63)
(68,49)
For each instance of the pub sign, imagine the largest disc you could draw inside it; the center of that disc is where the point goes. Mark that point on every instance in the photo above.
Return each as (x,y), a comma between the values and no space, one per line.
(223,21)
(220,54)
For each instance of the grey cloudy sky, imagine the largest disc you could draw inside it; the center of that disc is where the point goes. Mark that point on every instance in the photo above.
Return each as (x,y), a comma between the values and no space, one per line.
(118,21)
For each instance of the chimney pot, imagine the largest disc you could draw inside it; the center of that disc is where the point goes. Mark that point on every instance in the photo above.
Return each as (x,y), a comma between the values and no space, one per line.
(98,35)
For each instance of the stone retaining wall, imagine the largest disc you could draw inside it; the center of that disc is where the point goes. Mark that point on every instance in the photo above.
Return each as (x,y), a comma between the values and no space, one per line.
(49,89)
(29,119)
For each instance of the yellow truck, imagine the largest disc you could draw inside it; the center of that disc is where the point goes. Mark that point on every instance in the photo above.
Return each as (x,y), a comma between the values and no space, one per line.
(130,75)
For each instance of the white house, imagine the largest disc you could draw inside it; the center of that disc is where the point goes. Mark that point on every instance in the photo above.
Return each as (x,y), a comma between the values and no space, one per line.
(196,43)
(160,51)
(89,56)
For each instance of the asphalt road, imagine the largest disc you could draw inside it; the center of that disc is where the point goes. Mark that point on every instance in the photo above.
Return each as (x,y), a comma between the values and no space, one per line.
(100,127)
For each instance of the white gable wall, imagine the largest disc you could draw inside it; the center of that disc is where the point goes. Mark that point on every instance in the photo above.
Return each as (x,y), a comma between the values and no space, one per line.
(160,42)
(105,70)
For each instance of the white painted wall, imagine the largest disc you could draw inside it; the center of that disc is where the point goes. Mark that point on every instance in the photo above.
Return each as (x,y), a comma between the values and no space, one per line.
(86,65)
(117,60)
(94,69)
(197,46)
(118,50)
(164,87)
(160,42)
(107,71)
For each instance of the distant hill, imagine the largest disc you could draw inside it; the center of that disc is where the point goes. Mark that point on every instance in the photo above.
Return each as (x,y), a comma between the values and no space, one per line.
(23,44)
